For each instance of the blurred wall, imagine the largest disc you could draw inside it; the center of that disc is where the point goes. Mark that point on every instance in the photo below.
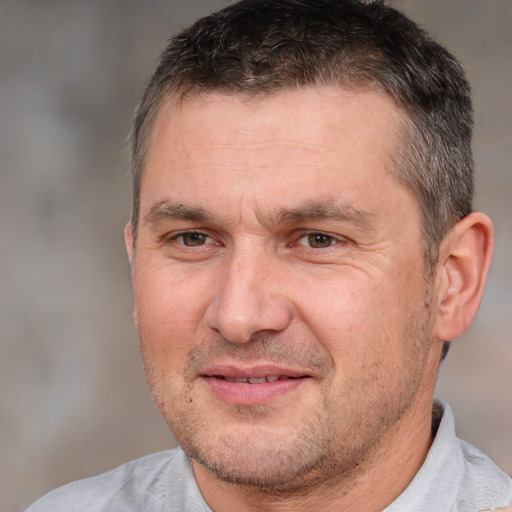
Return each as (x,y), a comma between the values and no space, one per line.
(73,400)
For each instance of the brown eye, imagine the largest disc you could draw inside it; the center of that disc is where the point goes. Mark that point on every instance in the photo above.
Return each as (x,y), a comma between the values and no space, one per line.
(317,240)
(192,239)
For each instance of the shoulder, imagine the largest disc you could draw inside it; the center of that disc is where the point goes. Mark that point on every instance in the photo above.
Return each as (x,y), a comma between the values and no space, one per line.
(455,476)
(483,482)
(479,483)
(126,487)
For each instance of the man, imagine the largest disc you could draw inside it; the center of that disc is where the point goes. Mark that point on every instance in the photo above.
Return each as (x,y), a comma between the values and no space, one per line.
(303,248)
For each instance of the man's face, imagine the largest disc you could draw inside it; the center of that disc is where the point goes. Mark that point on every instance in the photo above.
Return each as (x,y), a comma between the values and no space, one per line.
(283,314)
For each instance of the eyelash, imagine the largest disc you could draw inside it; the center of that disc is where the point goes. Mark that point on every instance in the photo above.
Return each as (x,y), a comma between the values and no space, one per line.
(330,239)
(175,237)
(333,240)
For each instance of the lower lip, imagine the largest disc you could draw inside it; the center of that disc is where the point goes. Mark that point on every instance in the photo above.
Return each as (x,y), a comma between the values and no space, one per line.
(252,394)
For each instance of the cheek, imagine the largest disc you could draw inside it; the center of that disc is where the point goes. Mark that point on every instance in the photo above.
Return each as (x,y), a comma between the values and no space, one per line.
(359,319)
(169,321)
(169,304)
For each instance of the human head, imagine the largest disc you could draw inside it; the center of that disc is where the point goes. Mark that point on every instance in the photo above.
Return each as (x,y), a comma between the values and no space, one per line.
(260,47)
(233,296)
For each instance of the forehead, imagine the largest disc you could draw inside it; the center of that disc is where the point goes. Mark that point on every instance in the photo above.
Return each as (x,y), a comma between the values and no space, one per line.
(317,108)
(290,144)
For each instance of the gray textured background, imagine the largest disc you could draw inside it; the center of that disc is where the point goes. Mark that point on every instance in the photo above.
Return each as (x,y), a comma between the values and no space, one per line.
(73,400)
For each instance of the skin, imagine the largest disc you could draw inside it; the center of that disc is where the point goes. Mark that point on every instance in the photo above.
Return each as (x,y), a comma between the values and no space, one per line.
(273,240)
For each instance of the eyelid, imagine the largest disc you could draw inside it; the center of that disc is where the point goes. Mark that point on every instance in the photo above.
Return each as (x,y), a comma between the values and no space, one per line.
(301,234)
(173,237)
(338,239)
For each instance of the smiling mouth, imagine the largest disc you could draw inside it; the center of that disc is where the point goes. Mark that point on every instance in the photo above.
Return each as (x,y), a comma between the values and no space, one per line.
(252,386)
(256,380)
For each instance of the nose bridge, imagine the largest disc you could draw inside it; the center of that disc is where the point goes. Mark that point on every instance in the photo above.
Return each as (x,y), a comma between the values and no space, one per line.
(247,298)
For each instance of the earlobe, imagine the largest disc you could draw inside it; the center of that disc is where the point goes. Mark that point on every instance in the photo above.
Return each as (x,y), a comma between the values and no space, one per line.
(464,260)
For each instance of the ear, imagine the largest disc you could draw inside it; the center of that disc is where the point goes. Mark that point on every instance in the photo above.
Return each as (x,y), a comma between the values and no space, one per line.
(464,259)
(129,242)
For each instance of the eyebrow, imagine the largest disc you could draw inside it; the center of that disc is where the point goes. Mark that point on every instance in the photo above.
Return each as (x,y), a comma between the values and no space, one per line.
(327,209)
(324,210)
(165,211)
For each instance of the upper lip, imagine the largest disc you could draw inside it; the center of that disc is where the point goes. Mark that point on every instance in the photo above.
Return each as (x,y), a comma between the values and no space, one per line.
(251,372)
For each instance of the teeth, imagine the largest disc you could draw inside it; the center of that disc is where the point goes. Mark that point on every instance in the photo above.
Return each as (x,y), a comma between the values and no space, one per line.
(256,380)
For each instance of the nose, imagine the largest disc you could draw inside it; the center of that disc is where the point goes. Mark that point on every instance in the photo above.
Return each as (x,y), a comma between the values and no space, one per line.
(249,299)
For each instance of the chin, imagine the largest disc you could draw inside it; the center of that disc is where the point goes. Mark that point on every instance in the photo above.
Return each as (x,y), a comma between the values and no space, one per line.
(272,460)
(268,473)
